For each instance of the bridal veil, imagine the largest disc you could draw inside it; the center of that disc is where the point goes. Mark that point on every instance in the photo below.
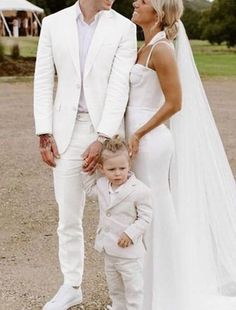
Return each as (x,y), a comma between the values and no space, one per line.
(204,193)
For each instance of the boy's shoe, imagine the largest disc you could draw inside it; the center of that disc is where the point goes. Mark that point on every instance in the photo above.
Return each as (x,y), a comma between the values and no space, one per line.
(66,297)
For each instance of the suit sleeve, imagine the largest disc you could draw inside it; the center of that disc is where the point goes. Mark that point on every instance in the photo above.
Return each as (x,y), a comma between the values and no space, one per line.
(89,185)
(118,87)
(144,216)
(44,82)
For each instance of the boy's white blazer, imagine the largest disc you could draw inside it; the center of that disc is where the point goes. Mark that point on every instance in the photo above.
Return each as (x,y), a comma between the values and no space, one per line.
(106,78)
(130,212)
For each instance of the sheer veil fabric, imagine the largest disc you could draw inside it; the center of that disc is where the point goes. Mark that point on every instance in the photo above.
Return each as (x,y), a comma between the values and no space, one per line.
(204,194)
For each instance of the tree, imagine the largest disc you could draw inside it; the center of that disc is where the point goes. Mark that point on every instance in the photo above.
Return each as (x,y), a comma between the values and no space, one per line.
(124,7)
(191,19)
(219,23)
(52,6)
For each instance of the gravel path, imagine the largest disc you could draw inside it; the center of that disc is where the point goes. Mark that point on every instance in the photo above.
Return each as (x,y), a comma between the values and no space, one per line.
(28,216)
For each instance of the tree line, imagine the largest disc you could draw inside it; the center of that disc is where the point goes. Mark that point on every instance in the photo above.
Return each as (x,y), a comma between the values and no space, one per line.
(215,22)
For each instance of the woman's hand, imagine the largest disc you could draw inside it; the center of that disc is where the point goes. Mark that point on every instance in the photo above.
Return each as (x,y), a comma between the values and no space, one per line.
(133,145)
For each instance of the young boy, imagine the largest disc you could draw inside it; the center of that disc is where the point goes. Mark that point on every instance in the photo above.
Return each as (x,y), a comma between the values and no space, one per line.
(125,213)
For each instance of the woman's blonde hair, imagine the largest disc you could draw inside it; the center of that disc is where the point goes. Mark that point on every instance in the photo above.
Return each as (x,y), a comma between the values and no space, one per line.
(169,11)
(113,146)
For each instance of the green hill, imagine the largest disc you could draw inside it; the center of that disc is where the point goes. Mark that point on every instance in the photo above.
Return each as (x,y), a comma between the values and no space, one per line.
(198,5)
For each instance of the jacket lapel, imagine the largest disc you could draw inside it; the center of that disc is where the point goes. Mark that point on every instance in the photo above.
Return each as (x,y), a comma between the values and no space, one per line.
(126,190)
(72,38)
(101,33)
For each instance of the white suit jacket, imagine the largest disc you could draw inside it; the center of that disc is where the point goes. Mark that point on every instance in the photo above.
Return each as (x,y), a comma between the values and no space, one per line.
(111,55)
(130,212)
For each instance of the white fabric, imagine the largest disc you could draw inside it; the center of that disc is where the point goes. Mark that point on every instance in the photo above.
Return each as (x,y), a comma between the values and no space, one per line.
(19,5)
(152,164)
(15,28)
(191,267)
(85,33)
(65,298)
(70,198)
(130,211)
(106,74)
(204,194)
(125,282)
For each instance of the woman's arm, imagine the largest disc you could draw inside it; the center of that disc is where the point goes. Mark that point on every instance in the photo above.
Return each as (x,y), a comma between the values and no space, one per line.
(164,63)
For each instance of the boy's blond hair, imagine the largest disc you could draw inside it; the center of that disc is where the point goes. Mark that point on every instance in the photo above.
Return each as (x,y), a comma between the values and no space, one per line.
(113,146)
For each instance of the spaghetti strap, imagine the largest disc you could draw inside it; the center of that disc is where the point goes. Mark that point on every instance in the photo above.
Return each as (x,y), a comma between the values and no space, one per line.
(153,46)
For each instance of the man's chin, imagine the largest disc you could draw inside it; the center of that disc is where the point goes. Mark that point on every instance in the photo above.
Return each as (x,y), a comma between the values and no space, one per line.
(107,7)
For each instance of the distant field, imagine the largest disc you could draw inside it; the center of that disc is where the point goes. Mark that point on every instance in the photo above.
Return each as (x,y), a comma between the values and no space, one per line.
(28,45)
(211,60)
(214,60)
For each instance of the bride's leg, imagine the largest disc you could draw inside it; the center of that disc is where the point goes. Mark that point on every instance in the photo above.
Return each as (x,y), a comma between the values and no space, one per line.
(152,167)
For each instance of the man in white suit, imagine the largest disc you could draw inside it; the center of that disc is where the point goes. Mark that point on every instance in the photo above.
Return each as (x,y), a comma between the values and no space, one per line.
(92,48)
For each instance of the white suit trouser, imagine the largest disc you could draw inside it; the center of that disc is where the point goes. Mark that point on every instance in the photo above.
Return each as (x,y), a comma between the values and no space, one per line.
(125,282)
(71,199)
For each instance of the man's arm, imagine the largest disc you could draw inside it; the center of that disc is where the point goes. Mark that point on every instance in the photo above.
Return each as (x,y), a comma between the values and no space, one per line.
(43,96)
(44,82)
(117,95)
(118,86)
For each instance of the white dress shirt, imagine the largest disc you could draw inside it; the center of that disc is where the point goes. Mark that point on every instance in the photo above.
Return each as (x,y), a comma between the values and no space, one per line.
(85,33)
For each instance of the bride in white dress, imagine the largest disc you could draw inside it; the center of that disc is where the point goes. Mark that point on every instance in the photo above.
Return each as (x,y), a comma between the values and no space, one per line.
(191,246)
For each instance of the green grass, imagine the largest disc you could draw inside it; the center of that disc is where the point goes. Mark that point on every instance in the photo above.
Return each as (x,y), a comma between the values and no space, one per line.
(211,60)
(28,45)
(214,60)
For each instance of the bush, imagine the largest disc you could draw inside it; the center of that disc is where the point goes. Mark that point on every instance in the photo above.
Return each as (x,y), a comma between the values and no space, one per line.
(2,52)
(15,51)
(219,23)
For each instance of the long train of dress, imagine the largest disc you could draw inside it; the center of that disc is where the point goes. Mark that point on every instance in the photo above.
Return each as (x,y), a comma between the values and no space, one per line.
(181,271)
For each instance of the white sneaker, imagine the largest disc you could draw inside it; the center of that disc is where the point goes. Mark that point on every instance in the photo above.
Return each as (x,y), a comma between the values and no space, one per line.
(66,297)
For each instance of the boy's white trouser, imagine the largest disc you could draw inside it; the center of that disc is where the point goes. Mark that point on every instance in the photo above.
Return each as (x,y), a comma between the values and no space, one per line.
(125,282)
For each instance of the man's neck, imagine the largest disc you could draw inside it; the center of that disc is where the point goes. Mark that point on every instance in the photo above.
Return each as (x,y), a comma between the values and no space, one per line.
(89,10)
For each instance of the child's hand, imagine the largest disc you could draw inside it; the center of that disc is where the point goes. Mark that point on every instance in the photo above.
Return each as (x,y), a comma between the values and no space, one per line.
(124,241)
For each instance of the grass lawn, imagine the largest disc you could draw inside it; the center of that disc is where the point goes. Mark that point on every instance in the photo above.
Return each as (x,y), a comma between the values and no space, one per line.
(214,60)
(211,60)
(28,45)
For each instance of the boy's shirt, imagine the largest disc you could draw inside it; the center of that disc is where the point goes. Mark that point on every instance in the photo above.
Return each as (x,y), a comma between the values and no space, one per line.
(128,209)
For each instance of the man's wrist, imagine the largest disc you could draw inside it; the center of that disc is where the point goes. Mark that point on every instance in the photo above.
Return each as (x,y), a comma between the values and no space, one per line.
(102,138)
(45,135)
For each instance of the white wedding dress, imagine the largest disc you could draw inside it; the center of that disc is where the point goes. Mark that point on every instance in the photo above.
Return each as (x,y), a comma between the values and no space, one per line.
(152,166)
(191,245)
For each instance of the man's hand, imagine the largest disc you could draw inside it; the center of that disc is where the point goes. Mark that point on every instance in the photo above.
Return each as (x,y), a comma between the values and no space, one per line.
(48,149)
(91,156)
(124,241)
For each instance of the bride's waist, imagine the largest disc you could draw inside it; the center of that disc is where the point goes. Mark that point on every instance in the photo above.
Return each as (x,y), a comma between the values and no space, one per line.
(136,117)
(138,109)
(134,113)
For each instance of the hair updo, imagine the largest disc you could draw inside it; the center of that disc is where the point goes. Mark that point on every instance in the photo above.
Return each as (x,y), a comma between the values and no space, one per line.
(114,146)
(169,11)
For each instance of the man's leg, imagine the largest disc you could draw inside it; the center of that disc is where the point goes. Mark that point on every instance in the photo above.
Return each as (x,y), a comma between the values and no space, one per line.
(115,283)
(70,198)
